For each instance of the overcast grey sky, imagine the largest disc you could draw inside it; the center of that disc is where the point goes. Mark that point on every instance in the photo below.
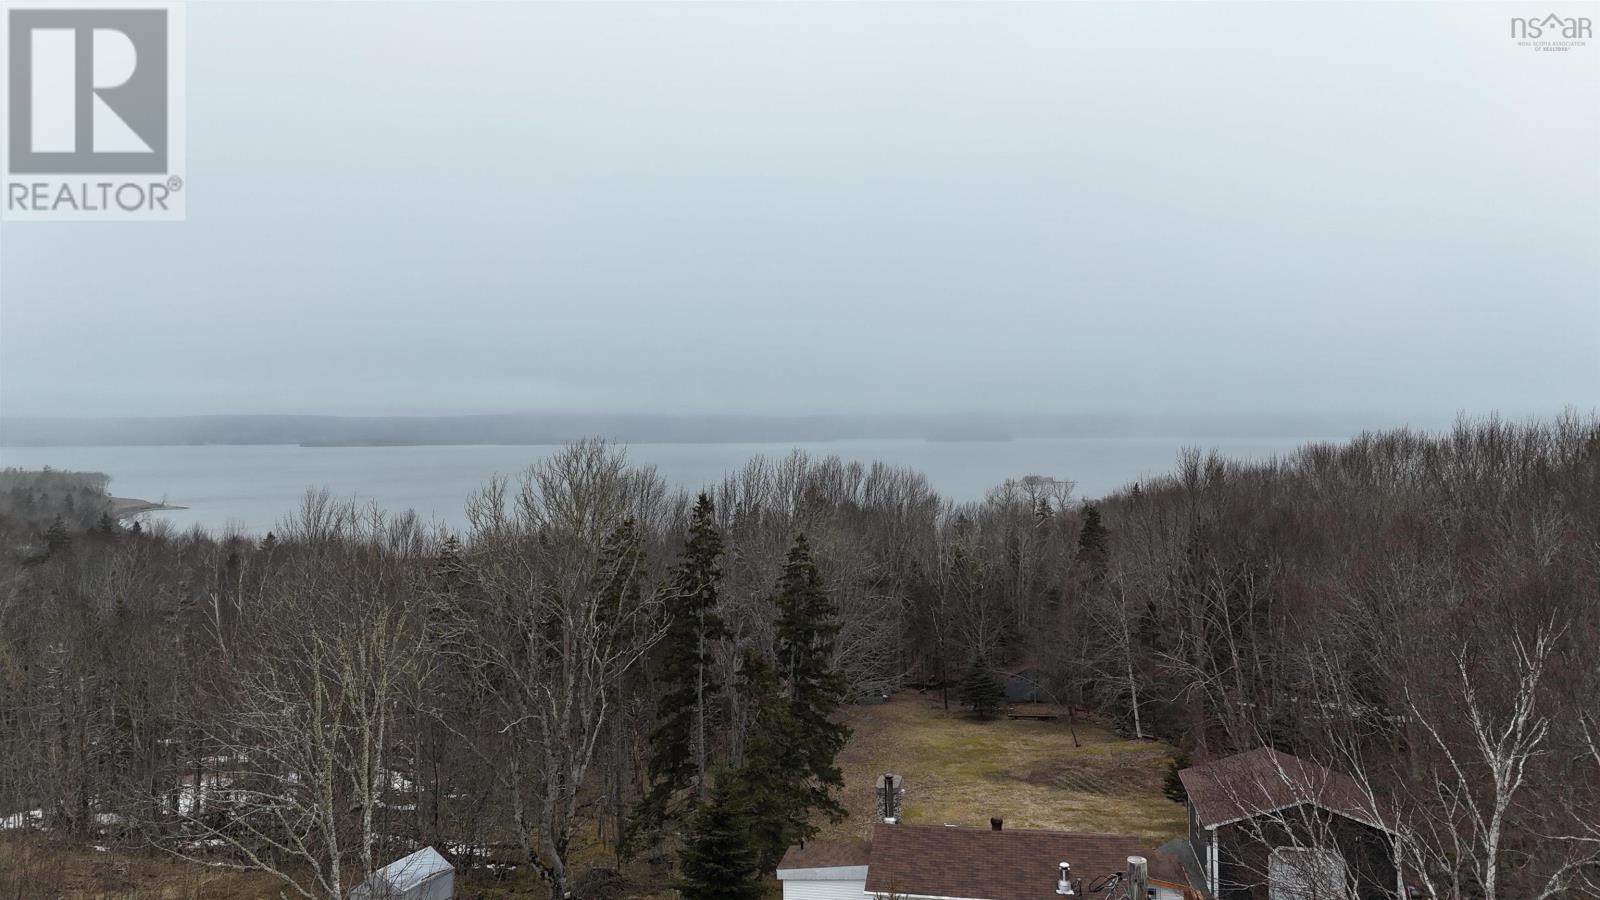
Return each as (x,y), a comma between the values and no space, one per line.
(808,207)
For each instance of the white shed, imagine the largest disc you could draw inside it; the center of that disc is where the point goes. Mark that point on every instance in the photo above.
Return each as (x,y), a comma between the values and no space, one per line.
(424,875)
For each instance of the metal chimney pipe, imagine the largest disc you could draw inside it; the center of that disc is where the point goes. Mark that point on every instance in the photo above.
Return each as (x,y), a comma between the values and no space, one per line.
(1064,885)
(1138,878)
(889,794)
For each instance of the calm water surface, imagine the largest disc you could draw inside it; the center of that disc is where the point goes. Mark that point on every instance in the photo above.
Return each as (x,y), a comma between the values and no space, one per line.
(251,488)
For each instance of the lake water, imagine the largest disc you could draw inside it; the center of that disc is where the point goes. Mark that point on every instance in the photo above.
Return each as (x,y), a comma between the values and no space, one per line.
(250,488)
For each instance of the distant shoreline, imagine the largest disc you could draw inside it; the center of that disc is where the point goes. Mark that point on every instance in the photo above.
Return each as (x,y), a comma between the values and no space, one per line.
(127,507)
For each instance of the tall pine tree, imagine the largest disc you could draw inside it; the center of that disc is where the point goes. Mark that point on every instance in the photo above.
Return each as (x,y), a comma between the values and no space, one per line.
(719,860)
(56,538)
(1094,539)
(1094,536)
(772,782)
(680,742)
(807,626)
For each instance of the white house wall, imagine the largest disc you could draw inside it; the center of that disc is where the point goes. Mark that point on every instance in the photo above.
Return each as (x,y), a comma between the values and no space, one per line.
(796,889)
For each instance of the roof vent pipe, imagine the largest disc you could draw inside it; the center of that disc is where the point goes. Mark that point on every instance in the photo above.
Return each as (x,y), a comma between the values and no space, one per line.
(996,823)
(1064,885)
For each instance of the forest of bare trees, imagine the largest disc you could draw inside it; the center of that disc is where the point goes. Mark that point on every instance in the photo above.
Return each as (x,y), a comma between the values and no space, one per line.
(1421,611)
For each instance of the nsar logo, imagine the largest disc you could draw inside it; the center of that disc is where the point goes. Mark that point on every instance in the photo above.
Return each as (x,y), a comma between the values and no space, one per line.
(1552,33)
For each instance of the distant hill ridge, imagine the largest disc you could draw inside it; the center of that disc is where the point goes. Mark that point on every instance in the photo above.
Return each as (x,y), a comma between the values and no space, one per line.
(556,428)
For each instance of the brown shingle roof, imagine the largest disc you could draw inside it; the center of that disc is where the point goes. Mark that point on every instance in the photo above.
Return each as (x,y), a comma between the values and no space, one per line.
(1250,784)
(827,855)
(1015,864)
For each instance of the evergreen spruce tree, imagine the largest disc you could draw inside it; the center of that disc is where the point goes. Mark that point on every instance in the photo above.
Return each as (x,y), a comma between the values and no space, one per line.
(773,781)
(981,690)
(56,538)
(451,564)
(680,742)
(1093,541)
(807,625)
(1094,538)
(106,527)
(452,578)
(719,860)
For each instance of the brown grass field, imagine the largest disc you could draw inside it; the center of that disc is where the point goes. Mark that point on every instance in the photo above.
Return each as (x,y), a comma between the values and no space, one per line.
(38,866)
(957,771)
(960,771)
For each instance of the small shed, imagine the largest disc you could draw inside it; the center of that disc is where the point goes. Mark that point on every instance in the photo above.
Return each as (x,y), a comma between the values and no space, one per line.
(424,875)
(1026,682)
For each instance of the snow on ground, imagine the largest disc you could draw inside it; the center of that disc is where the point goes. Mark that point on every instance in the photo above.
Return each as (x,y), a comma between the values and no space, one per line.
(394,781)
(29,819)
(210,787)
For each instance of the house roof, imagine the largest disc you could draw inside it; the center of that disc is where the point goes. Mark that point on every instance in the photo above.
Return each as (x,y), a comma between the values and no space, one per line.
(1251,784)
(1014,864)
(827,855)
(407,872)
(1022,666)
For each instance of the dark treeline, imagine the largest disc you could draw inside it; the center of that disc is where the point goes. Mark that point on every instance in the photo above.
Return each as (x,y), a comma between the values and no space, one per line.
(602,669)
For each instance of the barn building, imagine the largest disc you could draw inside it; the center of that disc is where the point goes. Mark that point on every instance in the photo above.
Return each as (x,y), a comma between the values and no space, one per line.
(1265,825)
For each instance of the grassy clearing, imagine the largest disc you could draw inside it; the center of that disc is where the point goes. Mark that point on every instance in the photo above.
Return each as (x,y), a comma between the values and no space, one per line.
(35,865)
(960,771)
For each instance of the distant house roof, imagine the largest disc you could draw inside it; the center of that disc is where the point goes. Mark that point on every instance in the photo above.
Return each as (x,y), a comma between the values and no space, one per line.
(1014,864)
(407,872)
(1251,784)
(827,855)
(1022,666)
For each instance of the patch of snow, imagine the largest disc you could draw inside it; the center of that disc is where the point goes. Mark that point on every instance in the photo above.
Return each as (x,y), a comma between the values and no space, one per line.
(190,800)
(394,781)
(27,819)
